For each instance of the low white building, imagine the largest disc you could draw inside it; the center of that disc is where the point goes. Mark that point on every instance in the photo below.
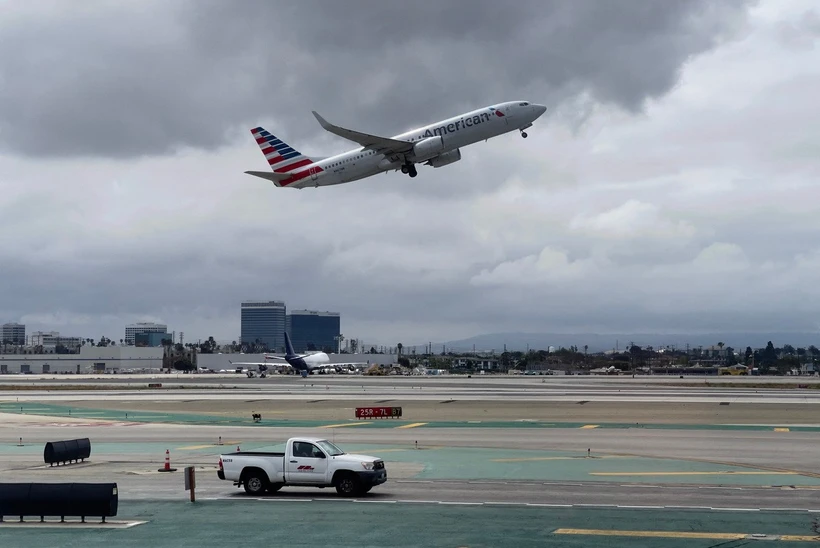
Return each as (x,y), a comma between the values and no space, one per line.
(91,359)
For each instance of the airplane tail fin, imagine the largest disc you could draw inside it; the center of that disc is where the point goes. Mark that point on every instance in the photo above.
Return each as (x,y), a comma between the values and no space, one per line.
(281,157)
(288,346)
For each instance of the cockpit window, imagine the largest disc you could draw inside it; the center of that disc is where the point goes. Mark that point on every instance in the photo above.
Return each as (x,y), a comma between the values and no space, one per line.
(523,104)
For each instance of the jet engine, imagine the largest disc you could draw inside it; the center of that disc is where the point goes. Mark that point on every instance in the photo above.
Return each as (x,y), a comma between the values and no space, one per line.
(446,158)
(427,148)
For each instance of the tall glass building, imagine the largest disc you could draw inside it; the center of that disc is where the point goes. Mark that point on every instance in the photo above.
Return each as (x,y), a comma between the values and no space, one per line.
(314,330)
(264,321)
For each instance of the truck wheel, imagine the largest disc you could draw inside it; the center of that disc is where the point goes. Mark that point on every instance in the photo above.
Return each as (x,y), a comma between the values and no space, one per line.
(347,485)
(255,483)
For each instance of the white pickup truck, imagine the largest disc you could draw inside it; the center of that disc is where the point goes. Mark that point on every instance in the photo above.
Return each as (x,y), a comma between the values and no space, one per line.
(306,462)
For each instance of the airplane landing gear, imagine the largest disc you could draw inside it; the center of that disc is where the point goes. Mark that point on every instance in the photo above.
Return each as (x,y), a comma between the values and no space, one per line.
(409,169)
(523,134)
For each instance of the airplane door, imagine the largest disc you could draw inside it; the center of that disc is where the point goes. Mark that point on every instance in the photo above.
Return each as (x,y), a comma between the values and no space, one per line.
(308,464)
(509,114)
(314,173)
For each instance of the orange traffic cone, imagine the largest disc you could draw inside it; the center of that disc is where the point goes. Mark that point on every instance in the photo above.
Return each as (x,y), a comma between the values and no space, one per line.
(167,467)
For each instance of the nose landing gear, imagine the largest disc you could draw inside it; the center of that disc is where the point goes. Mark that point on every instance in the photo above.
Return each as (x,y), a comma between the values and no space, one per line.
(523,134)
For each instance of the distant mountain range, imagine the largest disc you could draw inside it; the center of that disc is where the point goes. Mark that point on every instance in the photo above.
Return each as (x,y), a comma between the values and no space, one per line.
(603,342)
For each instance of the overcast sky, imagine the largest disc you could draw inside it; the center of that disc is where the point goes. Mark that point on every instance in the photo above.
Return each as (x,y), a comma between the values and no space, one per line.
(671,186)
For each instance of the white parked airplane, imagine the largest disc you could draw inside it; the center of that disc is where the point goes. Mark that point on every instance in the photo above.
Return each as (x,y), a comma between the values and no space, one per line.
(302,362)
(436,145)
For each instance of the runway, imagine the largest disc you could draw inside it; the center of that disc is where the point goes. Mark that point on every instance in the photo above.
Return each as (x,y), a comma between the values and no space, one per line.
(506,453)
(654,389)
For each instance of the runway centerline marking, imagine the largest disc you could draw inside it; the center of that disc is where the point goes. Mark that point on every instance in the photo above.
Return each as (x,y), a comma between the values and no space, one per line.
(590,426)
(781,429)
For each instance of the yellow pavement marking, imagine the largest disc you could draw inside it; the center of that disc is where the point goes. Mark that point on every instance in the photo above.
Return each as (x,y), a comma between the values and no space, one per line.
(723,473)
(385,450)
(533,459)
(661,534)
(345,424)
(678,534)
(413,425)
(208,446)
(590,426)
(781,429)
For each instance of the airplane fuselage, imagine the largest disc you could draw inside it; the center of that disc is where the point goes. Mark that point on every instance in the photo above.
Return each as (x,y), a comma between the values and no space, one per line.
(308,362)
(456,132)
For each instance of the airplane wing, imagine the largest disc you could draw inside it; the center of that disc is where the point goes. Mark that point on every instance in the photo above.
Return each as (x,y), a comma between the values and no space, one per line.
(384,145)
(257,364)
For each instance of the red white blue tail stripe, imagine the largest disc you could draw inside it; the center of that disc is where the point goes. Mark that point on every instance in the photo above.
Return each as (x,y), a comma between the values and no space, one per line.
(282,157)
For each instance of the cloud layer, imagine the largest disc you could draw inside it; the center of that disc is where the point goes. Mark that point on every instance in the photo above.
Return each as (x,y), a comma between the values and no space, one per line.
(671,186)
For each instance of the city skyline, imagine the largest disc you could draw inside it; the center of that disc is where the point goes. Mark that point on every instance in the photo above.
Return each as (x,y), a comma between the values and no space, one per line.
(518,341)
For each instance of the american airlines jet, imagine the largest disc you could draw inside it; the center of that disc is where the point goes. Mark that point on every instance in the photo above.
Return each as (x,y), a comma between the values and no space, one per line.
(436,145)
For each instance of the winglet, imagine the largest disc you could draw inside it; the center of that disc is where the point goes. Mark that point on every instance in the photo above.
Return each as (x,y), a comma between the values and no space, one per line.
(322,122)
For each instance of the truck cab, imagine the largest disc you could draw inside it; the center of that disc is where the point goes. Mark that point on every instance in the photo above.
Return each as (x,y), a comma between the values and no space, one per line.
(306,462)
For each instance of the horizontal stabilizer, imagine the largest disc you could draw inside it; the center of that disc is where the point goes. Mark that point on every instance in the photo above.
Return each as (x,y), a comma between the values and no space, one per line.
(269,175)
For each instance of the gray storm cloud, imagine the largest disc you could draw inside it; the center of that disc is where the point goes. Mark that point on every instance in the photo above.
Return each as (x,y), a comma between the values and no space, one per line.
(686,203)
(127,80)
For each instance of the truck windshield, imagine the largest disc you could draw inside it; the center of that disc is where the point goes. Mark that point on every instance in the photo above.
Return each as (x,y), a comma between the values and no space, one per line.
(329,448)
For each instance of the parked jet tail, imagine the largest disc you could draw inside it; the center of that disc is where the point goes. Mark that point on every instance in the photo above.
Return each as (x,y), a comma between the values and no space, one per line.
(289,348)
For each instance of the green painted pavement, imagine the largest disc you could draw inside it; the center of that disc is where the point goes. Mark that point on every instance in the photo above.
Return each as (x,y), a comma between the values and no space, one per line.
(249,522)
(58,411)
(502,464)
(470,463)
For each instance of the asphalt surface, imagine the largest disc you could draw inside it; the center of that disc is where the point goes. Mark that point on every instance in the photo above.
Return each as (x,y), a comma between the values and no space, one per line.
(669,474)
(357,524)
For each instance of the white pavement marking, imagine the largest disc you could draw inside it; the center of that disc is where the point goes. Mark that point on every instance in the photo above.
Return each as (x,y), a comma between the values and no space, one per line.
(514,503)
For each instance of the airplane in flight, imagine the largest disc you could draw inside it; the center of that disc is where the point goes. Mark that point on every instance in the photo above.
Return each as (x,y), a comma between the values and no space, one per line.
(304,363)
(436,145)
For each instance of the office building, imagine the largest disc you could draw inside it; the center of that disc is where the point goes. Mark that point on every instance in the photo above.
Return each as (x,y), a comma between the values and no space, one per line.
(53,339)
(263,322)
(142,327)
(151,339)
(313,330)
(13,333)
